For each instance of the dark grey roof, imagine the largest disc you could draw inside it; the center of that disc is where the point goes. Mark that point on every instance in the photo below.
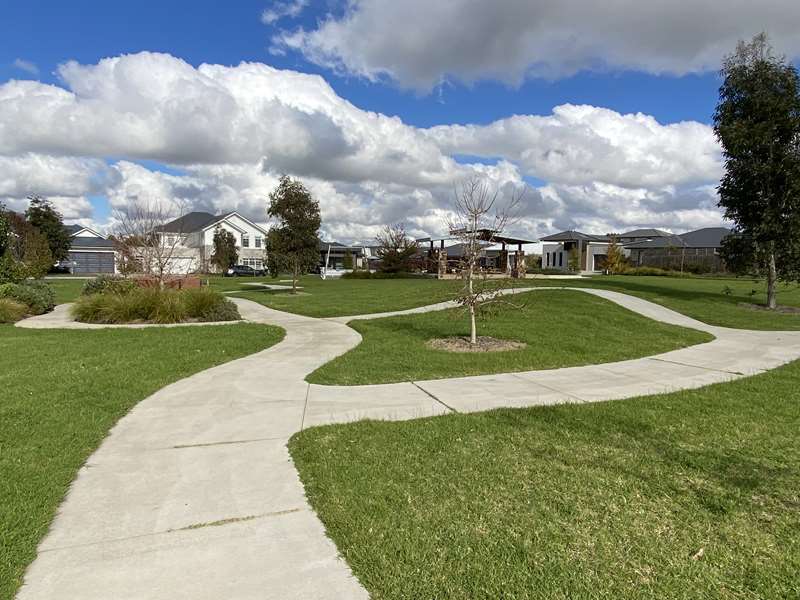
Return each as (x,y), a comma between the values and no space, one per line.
(645,233)
(193,221)
(674,241)
(324,245)
(709,237)
(91,242)
(571,236)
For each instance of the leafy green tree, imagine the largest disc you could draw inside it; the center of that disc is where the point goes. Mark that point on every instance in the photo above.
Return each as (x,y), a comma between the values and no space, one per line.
(225,254)
(27,253)
(5,229)
(396,250)
(757,121)
(49,222)
(293,243)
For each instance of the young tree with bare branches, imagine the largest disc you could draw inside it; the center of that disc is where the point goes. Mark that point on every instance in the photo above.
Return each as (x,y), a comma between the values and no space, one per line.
(142,236)
(476,220)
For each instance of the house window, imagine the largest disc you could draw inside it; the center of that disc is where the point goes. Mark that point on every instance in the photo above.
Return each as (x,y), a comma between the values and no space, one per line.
(170,240)
(256,263)
(547,256)
(560,259)
(258,241)
(245,241)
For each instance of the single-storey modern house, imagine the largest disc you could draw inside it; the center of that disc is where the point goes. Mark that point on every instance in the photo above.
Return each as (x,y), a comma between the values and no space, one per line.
(193,239)
(699,248)
(89,252)
(589,250)
(642,247)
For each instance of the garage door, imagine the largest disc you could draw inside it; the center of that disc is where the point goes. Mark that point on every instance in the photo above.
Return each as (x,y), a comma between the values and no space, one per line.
(92,262)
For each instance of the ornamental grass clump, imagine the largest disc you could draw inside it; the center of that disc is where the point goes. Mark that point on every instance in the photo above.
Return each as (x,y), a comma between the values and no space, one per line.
(11,311)
(153,305)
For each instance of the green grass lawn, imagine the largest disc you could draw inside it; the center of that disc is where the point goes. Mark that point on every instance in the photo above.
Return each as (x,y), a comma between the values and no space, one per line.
(699,297)
(336,297)
(67,290)
(60,393)
(702,298)
(690,495)
(562,329)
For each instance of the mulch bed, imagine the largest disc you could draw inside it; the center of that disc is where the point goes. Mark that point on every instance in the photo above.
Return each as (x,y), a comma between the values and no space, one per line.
(784,310)
(485,344)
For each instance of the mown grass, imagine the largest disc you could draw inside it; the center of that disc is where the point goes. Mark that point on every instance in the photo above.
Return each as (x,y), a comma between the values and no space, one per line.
(561,329)
(336,297)
(67,290)
(60,393)
(717,301)
(690,495)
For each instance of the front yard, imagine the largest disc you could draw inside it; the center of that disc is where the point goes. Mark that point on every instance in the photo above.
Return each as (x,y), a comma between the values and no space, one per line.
(687,495)
(60,393)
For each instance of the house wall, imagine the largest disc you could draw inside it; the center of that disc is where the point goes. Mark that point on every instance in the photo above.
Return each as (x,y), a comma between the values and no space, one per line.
(595,256)
(253,255)
(554,256)
(86,233)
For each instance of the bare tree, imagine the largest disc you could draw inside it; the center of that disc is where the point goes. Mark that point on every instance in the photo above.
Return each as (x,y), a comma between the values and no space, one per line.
(476,220)
(144,241)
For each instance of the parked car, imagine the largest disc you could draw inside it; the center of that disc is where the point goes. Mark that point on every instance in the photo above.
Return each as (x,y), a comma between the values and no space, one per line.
(243,271)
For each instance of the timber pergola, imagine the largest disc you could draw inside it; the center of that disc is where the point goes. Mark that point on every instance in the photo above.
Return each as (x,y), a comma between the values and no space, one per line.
(436,247)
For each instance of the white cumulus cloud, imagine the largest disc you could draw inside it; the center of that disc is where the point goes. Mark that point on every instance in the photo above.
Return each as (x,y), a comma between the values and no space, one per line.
(419,43)
(227,133)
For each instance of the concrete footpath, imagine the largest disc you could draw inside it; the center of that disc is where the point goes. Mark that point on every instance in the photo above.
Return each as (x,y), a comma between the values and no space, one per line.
(193,493)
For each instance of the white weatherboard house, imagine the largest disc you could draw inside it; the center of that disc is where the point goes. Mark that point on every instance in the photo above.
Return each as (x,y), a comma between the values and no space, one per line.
(193,234)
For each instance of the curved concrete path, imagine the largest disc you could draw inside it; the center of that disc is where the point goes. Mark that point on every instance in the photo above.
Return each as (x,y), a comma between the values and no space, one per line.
(60,318)
(193,493)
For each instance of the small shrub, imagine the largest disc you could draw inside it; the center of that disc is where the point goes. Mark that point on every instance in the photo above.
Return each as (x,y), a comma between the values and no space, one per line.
(36,295)
(12,270)
(545,271)
(108,284)
(647,271)
(225,311)
(11,311)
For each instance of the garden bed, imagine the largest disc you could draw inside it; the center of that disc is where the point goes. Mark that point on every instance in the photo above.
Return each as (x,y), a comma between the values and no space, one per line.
(122,301)
(25,299)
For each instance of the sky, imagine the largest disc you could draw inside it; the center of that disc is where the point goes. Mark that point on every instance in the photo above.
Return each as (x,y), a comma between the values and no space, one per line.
(599,113)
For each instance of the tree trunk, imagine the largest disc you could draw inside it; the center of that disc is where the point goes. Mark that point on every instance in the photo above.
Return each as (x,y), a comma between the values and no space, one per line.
(294,278)
(772,279)
(473,330)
